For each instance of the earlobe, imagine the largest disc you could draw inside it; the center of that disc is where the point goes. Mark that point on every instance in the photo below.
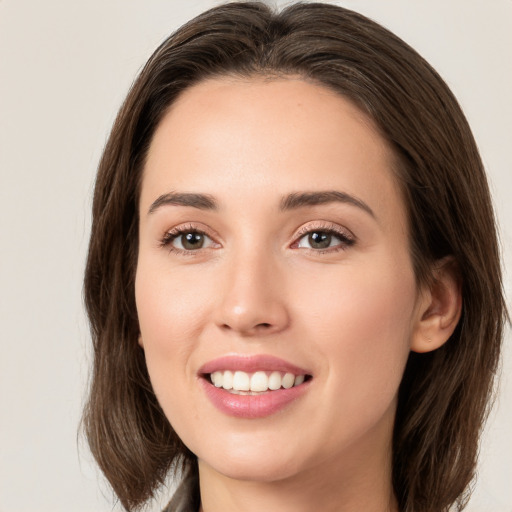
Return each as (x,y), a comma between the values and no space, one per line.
(440,308)
(140,342)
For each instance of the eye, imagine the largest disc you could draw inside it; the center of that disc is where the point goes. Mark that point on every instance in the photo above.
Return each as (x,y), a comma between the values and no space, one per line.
(190,241)
(187,240)
(322,239)
(317,240)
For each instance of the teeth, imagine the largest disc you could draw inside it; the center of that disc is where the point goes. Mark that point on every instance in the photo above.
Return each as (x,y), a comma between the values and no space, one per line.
(241,381)
(257,382)
(227,380)
(299,380)
(288,380)
(274,381)
(217,379)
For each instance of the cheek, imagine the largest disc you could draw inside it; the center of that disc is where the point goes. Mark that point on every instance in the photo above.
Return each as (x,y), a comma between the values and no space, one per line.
(362,321)
(169,305)
(169,312)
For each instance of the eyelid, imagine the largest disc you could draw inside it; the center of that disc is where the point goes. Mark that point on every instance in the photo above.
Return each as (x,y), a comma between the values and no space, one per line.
(346,236)
(171,234)
(327,226)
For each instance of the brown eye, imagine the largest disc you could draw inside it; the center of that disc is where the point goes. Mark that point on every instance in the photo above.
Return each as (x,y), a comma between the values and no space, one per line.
(189,241)
(319,239)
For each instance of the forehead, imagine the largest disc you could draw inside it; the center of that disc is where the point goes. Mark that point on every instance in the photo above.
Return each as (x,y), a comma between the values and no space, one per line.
(232,137)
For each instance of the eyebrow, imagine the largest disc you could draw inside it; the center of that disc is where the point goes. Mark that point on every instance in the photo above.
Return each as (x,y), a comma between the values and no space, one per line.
(290,202)
(201,201)
(301,199)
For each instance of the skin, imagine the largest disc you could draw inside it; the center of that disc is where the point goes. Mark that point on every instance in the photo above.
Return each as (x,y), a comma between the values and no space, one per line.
(349,314)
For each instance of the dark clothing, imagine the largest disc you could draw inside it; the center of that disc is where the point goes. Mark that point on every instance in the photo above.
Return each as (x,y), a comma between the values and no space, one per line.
(186,498)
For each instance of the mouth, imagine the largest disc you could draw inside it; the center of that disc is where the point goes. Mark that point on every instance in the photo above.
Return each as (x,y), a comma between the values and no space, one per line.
(253,386)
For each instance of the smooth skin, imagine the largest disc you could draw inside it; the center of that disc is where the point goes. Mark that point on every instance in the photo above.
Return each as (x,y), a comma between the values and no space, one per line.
(252,279)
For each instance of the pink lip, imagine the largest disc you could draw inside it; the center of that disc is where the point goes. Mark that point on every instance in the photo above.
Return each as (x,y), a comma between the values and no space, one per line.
(251,406)
(251,364)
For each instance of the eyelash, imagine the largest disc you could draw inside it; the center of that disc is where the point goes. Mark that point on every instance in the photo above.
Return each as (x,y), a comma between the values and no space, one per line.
(346,239)
(175,233)
(344,236)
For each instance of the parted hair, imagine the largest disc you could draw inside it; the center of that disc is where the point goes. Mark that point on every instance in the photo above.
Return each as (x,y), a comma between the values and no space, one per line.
(444,396)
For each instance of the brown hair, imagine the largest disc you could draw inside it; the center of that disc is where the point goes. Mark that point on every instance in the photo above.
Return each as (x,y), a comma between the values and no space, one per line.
(444,395)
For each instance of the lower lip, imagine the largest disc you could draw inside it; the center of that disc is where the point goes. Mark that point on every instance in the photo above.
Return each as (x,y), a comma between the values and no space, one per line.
(252,406)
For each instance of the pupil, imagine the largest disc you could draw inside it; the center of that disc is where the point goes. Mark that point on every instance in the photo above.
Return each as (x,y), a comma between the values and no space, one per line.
(320,240)
(192,240)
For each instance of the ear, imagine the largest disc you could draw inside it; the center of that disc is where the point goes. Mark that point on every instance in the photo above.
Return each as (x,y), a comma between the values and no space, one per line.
(140,342)
(440,307)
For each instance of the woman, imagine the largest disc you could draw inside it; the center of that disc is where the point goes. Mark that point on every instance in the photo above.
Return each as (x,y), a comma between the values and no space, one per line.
(293,278)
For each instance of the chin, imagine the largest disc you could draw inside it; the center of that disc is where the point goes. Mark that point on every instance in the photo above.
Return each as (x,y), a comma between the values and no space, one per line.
(254,473)
(253,465)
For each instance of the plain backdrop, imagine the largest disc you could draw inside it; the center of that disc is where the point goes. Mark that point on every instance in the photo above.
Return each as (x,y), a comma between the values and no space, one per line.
(65,67)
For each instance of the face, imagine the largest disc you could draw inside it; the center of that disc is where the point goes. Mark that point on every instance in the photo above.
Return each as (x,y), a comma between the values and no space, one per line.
(274,261)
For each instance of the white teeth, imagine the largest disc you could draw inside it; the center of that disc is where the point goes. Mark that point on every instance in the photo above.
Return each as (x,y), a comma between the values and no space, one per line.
(298,380)
(217,379)
(274,381)
(288,380)
(257,382)
(227,380)
(241,381)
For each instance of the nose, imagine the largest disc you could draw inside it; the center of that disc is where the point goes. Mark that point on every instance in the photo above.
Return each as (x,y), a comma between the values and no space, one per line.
(252,300)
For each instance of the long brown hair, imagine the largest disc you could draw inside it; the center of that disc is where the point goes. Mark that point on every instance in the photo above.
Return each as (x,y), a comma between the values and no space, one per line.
(444,395)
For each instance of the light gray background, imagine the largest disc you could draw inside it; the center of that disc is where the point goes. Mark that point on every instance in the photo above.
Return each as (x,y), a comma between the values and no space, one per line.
(65,67)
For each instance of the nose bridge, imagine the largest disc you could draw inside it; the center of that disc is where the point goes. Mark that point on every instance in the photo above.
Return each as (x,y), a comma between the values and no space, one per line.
(252,300)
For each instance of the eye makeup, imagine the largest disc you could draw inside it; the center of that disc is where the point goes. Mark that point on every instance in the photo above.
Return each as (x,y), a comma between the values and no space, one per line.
(322,236)
(318,237)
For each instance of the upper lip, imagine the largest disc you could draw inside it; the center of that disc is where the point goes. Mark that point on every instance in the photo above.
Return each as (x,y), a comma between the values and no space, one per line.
(252,363)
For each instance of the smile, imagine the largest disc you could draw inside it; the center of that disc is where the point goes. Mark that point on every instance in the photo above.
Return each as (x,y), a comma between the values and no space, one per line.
(253,386)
